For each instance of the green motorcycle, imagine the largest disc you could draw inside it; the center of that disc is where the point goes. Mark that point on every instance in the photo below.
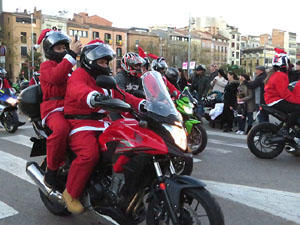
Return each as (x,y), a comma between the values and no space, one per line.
(197,136)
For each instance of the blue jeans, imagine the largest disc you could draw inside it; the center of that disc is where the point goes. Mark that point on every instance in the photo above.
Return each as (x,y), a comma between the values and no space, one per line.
(242,122)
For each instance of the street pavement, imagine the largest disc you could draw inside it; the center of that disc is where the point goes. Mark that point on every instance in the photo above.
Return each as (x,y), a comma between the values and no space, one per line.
(250,191)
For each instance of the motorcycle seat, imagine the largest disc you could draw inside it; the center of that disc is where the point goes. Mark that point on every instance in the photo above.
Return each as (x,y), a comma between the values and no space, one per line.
(275,112)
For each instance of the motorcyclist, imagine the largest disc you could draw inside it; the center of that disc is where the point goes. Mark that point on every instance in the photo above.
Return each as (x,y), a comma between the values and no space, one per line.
(145,65)
(86,119)
(160,65)
(35,79)
(129,78)
(61,57)
(172,74)
(3,81)
(277,95)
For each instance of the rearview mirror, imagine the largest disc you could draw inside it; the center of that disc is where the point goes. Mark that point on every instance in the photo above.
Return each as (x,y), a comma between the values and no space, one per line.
(107,82)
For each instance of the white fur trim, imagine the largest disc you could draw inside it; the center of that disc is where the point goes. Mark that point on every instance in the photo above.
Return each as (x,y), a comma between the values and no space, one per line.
(70,59)
(106,125)
(88,99)
(106,93)
(60,109)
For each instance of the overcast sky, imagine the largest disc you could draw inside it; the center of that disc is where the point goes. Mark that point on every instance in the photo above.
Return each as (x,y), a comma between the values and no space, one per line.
(252,17)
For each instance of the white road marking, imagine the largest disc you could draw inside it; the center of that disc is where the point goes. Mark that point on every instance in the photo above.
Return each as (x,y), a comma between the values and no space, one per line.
(237,145)
(19,139)
(24,127)
(195,160)
(242,137)
(220,150)
(278,203)
(6,211)
(14,165)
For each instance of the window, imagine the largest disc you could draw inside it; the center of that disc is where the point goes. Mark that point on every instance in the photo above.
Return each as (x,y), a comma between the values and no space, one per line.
(107,36)
(119,52)
(95,35)
(232,54)
(23,51)
(238,37)
(225,49)
(8,20)
(71,32)
(232,44)
(137,42)
(34,38)
(221,49)
(232,63)
(233,36)
(237,55)
(23,37)
(119,38)
(218,48)
(8,34)
(238,46)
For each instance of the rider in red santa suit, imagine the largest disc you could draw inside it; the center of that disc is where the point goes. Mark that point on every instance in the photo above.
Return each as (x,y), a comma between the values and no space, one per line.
(3,81)
(35,79)
(86,119)
(53,79)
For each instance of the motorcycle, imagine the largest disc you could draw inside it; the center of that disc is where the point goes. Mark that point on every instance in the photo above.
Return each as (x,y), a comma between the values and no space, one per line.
(145,186)
(8,110)
(197,136)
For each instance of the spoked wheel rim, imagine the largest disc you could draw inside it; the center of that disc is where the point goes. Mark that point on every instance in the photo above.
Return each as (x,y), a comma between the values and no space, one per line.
(261,142)
(194,139)
(8,122)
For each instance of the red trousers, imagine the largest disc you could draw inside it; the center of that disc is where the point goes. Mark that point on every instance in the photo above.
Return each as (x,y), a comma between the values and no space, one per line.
(57,142)
(85,145)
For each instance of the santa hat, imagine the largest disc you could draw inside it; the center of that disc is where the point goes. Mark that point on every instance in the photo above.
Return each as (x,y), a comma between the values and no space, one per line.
(280,51)
(45,33)
(142,52)
(153,56)
(95,41)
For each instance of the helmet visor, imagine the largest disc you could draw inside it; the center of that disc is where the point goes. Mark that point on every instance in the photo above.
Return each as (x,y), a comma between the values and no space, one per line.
(58,38)
(101,51)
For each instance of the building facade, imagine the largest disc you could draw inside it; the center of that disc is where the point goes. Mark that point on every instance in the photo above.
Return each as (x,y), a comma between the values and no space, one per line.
(20,32)
(54,22)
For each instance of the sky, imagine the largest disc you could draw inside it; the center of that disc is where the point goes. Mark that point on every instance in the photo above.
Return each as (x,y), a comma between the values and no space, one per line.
(252,17)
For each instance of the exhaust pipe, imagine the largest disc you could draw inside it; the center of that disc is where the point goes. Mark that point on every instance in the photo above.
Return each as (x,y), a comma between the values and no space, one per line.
(34,172)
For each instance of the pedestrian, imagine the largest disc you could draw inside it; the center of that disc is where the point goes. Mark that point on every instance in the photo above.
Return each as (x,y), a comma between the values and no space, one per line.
(258,86)
(230,101)
(245,100)
(182,79)
(219,81)
(213,72)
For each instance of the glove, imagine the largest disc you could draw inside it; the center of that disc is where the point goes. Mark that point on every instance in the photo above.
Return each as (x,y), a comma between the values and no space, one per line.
(98,97)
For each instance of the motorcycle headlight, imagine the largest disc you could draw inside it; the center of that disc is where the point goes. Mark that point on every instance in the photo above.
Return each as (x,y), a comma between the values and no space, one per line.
(188,109)
(178,134)
(11,101)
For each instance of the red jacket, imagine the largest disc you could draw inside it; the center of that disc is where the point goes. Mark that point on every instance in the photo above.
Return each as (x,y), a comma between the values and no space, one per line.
(277,89)
(4,83)
(296,90)
(80,88)
(32,81)
(53,80)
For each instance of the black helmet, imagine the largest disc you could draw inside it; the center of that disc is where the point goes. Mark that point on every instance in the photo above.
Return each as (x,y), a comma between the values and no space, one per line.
(172,74)
(91,53)
(159,64)
(51,39)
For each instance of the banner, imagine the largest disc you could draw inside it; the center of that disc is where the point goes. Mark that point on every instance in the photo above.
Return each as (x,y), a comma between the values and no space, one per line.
(192,65)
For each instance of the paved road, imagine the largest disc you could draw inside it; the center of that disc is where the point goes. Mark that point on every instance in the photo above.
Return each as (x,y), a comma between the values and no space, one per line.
(250,191)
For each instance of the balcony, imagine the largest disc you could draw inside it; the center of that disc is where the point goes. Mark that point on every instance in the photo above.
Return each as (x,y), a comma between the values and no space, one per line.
(108,41)
(119,42)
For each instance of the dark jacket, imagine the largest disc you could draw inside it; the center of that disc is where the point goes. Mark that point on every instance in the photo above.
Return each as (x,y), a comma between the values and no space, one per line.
(128,82)
(230,93)
(294,75)
(258,85)
(200,83)
(213,75)
(182,83)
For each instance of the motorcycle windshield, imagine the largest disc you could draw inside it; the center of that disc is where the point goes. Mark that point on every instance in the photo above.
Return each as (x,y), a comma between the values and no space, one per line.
(157,96)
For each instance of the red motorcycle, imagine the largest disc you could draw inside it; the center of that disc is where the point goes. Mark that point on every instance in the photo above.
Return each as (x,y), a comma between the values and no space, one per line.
(135,179)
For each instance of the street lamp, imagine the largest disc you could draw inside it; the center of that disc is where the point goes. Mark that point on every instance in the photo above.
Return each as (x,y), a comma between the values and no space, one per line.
(191,21)
(32,47)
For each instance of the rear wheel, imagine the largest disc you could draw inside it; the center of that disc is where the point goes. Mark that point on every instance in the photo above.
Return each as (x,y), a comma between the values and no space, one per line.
(258,141)
(10,121)
(55,208)
(197,139)
(197,206)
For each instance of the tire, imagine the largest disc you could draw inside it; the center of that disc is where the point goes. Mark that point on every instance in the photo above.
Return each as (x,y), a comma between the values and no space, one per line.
(197,139)
(56,209)
(257,141)
(10,121)
(157,213)
(183,166)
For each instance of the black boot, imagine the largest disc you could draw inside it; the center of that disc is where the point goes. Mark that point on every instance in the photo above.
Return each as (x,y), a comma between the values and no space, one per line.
(50,178)
(248,129)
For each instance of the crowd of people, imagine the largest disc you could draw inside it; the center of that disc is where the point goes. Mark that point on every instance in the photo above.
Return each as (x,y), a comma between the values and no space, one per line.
(70,110)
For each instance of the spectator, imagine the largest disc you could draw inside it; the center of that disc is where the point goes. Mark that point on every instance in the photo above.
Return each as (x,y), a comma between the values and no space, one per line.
(246,101)
(258,86)
(182,79)
(214,72)
(200,82)
(294,75)
(219,81)
(230,101)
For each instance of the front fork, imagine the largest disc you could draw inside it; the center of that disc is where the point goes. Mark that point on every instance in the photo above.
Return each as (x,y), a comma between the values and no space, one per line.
(162,187)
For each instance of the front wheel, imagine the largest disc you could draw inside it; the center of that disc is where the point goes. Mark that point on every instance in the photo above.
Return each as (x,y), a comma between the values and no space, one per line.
(259,144)
(10,121)
(197,139)
(197,206)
